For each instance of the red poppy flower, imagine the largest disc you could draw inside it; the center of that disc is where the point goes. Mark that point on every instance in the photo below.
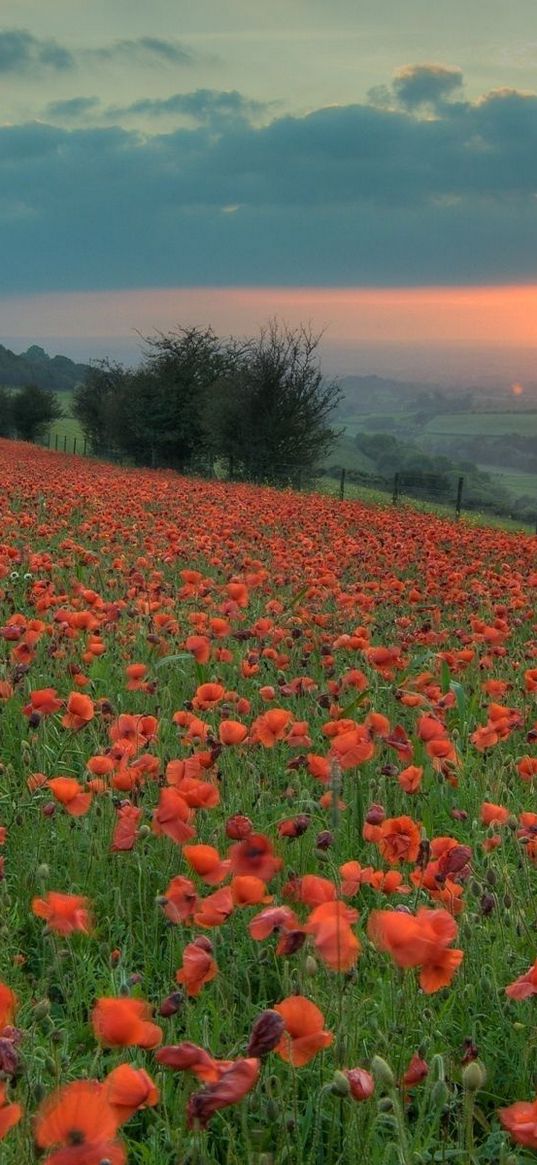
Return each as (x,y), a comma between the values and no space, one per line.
(198,967)
(80,1125)
(125,1022)
(64,913)
(10,1114)
(304,1034)
(129,1089)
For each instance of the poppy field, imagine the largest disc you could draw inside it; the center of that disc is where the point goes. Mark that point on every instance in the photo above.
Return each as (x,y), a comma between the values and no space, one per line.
(268,826)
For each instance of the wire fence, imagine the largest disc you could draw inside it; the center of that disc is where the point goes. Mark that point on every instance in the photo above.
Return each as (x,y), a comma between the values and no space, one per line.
(455,492)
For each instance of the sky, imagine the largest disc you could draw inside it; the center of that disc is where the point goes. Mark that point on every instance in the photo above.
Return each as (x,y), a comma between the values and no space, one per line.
(365,165)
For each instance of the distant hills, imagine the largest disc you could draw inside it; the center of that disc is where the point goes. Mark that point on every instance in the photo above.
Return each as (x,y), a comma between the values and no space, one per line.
(35,367)
(384,395)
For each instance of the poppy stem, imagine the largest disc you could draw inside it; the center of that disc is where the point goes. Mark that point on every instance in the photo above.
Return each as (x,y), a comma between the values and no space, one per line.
(469,1100)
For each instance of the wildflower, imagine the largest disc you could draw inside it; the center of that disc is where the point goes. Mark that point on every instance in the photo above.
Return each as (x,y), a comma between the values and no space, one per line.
(80,711)
(129,1089)
(419,941)
(10,1114)
(198,967)
(124,1022)
(525,985)
(520,1120)
(233,1084)
(255,855)
(71,795)
(80,1125)
(304,1034)
(64,913)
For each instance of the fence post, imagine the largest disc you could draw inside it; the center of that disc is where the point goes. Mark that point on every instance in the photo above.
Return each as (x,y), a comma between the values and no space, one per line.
(458,503)
(342,486)
(65,443)
(55,440)
(74,444)
(395,495)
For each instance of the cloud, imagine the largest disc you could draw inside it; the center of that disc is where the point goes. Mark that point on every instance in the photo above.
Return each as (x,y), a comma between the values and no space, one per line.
(417,85)
(72,108)
(20,51)
(349,195)
(151,49)
(205,106)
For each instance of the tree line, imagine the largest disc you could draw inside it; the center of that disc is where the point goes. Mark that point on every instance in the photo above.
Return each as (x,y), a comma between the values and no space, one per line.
(28,412)
(260,405)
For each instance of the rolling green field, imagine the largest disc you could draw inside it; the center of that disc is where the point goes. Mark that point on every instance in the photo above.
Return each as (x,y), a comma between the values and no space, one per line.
(483,424)
(519,484)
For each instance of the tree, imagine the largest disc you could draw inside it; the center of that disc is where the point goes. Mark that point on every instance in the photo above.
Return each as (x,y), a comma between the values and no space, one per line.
(34,410)
(153,413)
(270,416)
(93,402)
(6,411)
(180,371)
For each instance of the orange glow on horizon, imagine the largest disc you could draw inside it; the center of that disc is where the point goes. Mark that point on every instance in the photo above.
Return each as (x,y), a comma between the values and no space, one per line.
(459,316)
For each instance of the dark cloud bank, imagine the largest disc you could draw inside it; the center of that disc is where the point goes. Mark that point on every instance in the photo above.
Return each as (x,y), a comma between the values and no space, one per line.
(416,186)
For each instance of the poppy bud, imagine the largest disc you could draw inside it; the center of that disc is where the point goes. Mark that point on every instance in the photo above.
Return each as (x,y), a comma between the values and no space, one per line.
(491,877)
(238,827)
(42,872)
(470,1051)
(171,1004)
(487,904)
(473,1077)
(311,966)
(362,1084)
(9,1057)
(324,839)
(41,1009)
(438,1070)
(144,831)
(417,1070)
(266,1033)
(203,943)
(385,1104)
(34,720)
(382,1072)
(49,809)
(375,814)
(273,1110)
(340,1084)
(439,1094)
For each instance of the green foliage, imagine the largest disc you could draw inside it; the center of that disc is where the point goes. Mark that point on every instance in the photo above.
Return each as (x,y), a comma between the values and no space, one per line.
(153,414)
(6,413)
(92,402)
(33,410)
(262,405)
(270,416)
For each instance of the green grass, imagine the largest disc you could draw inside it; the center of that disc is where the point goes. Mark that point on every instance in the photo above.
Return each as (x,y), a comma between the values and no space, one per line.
(483,424)
(519,483)
(114,544)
